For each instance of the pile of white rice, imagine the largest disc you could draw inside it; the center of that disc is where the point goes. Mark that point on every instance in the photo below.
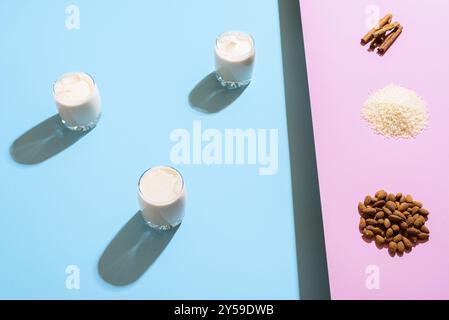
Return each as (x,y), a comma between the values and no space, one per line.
(396,112)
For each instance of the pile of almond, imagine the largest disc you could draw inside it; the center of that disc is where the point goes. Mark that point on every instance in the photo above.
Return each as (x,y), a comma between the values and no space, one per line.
(395,221)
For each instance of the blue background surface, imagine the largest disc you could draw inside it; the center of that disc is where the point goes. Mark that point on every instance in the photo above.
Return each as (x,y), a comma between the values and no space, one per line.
(237,240)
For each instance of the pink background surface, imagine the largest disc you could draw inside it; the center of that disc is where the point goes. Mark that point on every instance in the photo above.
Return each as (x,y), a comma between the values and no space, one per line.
(353,161)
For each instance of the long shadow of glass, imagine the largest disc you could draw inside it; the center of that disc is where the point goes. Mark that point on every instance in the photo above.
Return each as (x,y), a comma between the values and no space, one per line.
(133,250)
(44,141)
(209,96)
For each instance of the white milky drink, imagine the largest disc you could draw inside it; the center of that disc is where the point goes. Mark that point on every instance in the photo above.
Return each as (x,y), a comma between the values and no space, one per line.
(78,101)
(235,54)
(161,194)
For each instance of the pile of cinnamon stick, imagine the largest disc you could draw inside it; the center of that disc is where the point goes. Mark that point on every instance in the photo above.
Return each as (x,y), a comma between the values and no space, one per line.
(383,35)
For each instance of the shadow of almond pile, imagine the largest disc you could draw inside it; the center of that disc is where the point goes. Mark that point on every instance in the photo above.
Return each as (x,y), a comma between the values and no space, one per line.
(393,221)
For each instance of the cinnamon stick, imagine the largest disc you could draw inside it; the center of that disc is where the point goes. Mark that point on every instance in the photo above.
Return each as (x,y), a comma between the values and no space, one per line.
(376,42)
(385,29)
(390,40)
(369,36)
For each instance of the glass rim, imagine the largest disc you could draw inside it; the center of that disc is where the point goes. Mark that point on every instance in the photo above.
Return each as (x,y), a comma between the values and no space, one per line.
(163,204)
(253,42)
(94,85)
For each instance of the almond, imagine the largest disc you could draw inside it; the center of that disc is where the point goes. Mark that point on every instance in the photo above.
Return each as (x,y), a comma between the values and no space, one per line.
(395,218)
(423,236)
(368,234)
(403,207)
(397,238)
(391,197)
(381,194)
(379,204)
(375,230)
(413,231)
(419,222)
(391,205)
(401,247)
(379,215)
(362,224)
(370,211)
(361,207)
(367,200)
(379,240)
(400,214)
(392,247)
(425,229)
(408,244)
(387,223)
(423,211)
(417,204)
(409,199)
(389,232)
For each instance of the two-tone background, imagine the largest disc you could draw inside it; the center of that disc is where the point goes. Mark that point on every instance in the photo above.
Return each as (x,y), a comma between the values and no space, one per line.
(69,222)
